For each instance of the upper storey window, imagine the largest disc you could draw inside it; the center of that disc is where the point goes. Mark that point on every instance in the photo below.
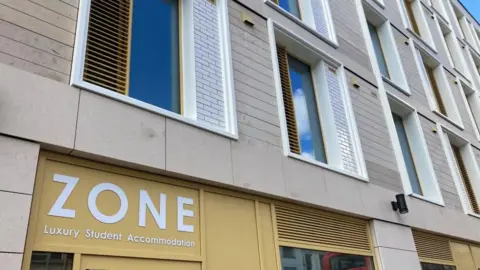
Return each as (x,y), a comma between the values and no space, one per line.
(415,20)
(181,67)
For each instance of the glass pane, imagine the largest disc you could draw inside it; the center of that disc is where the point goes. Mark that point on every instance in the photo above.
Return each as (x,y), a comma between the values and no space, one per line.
(377,46)
(291,6)
(323,260)
(407,154)
(431,266)
(306,112)
(154,59)
(51,261)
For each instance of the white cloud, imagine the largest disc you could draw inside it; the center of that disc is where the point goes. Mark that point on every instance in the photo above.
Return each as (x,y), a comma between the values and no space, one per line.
(301,113)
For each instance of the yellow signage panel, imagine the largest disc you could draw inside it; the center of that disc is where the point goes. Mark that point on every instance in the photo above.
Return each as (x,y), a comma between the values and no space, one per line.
(86,210)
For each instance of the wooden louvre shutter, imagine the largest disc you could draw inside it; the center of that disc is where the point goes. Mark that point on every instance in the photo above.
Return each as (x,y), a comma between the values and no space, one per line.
(436,91)
(108,44)
(432,247)
(311,226)
(288,101)
(411,16)
(466,179)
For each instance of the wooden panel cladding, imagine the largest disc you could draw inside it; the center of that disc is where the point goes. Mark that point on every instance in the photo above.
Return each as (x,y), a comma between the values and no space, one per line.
(108,42)
(288,101)
(466,179)
(318,227)
(432,247)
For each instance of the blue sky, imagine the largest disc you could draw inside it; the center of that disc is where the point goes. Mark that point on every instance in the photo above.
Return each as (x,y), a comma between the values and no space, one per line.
(473,7)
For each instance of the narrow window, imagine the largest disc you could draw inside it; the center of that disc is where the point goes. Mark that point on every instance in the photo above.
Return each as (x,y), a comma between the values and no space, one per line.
(304,130)
(465,179)
(407,154)
(290,6)
(51,261)
(123,56)
(411,16)
(436,92)
(379,52)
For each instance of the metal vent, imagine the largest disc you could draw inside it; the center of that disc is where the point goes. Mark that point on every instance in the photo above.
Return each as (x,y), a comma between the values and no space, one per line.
(108,39)
(288,100)
(466,179)
(432,247)
(322,228)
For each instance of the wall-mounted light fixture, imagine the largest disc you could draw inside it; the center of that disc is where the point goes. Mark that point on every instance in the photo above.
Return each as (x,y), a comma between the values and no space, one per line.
(400,204)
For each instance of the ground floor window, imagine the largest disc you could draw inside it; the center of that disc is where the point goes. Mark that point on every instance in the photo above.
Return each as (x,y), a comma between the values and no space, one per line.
(432,266)
(51,261)
(305,259)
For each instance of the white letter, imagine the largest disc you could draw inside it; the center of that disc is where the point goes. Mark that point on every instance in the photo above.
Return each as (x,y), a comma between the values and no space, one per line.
(57,208)
(160,217)
(92,203)
(184,213)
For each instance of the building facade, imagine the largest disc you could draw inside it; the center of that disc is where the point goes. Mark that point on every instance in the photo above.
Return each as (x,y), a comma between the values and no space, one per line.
(249,134)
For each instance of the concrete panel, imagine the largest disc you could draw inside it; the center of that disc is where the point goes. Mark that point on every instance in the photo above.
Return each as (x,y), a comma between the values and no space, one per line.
(257,166)
(304,181)
(198,153)
(118,131)
(389,235)
(11,261)
(395,259)
(14,221)
(18,163)
(343,193)
(36,108)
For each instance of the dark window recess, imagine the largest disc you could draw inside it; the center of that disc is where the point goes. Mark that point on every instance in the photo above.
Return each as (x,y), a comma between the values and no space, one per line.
(51,261)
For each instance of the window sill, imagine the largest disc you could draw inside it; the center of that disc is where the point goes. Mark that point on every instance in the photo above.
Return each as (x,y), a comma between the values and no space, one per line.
(446,118)
(473,214)
(423,198)
(396,86)
(462,76)
(423,41)
(380,3)
(301,23)
(328,167)
(148,107)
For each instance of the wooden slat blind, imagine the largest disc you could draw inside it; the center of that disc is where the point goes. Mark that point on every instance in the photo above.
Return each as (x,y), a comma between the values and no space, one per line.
(432,247)
(288,101)
(411,16)
(436,91)
(108,44)
(321,228)
(466,179)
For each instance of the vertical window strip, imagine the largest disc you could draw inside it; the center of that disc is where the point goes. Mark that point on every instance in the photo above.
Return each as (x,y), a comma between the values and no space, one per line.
(435,90)
(320,17)
(407,154)
(465,179)
(377,46)
(288,101)
(108,45)
(411,16)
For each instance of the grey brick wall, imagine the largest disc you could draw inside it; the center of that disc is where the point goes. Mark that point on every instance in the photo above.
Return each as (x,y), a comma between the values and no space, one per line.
(439,160)
(208,71)
(339,114)
(319,16)
(349,32)
(374,136)
(255,95)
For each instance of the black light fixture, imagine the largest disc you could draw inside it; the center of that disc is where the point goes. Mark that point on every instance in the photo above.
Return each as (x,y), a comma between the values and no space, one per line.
(400,204)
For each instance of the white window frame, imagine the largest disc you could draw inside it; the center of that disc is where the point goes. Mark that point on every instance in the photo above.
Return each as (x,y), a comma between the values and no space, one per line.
(188,70)
(448,136)
(421,19)
(317,61)
(398,78)
(452,16)
(456,52)
(307,20)
(443,86)
(471,100)
(470,37)
(440,8)
(421,155)
(473,58)
(444,31)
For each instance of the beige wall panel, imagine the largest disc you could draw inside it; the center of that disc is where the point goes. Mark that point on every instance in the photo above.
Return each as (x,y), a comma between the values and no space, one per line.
(269,249)
(102,262)
(40,42)
(41,13)
(13,221)
(231,233)
(59,7)
(73,3)
(10,261)
(36,25)
(462,256)
(476,255)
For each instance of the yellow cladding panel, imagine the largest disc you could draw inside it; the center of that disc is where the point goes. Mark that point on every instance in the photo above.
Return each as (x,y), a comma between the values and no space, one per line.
(71,225)
(462,256)
(476,256)
(104,262)
(231,233)
(267,237)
